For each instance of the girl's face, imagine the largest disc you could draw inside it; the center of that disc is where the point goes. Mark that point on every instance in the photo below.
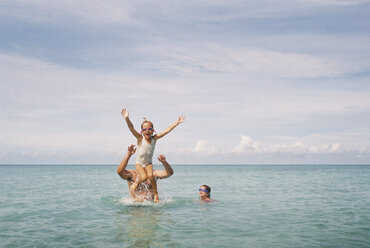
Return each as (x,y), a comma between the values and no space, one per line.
(147,130)
(203,192)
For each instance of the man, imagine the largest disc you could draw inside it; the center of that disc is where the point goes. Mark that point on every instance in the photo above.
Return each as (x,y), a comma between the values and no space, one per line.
(144,191)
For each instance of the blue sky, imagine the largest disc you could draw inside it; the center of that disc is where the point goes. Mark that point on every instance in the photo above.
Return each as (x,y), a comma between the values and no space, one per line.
(259,82)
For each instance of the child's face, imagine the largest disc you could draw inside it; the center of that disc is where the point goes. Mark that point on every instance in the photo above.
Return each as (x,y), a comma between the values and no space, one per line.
(147,130)
(203,192)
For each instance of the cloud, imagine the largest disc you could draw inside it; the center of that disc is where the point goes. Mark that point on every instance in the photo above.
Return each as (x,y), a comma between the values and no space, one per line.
(364,151)
(202,146)
(291,68)
(338,2)
(248,146)
(302,149)
(35,82)
(220,59)
(85,11)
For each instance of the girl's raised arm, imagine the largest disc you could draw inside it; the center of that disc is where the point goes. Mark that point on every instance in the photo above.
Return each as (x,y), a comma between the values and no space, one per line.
(180,120)
(124,113)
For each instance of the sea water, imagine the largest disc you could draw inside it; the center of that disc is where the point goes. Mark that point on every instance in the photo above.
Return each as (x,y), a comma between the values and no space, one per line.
(256,206)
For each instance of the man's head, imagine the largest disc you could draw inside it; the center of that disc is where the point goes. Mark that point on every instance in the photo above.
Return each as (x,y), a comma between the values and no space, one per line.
(135,175)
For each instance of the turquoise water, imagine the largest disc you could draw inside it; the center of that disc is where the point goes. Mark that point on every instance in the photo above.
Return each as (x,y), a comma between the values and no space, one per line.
(257,206)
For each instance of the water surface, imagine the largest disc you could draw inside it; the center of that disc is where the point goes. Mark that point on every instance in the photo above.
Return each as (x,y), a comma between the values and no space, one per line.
(257,206)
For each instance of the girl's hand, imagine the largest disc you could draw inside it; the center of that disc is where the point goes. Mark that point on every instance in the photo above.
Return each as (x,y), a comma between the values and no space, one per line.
(181,119)
(124,113)
(161,158)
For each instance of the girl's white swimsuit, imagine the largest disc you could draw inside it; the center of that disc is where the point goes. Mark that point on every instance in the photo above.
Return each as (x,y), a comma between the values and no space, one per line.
(145,152)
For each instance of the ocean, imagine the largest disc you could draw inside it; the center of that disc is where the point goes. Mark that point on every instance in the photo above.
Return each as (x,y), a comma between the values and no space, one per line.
(255,206)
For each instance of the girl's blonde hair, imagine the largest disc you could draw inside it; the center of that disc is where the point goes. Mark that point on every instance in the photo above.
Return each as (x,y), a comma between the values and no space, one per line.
(146,121)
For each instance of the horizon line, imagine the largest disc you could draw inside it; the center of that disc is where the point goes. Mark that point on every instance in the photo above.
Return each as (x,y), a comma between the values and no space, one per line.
(105,164)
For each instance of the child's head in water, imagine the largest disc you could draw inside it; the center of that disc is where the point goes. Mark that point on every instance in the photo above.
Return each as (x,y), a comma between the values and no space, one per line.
(147,128)
(204,192)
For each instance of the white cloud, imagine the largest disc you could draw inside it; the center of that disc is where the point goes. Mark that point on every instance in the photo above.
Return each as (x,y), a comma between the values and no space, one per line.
(203,146)
(248,146)
(364,150)
(301,148)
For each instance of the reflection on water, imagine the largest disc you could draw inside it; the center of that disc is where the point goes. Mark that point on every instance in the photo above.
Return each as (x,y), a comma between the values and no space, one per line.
(143,226)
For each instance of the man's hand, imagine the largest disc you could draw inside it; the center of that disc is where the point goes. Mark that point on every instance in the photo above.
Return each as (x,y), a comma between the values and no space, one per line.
(162,158)
(121,170)
(131,149)
(167,172)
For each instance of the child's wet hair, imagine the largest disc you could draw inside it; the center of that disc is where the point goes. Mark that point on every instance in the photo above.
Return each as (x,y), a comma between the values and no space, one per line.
(146,121)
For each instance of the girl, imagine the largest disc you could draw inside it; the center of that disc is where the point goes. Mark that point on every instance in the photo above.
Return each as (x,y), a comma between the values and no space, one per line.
(146,144)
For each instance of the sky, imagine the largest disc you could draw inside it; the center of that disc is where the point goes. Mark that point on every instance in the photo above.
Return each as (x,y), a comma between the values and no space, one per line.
(260,82)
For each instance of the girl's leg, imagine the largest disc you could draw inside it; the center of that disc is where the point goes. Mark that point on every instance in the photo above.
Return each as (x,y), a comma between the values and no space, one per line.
(149,172)
(141,178)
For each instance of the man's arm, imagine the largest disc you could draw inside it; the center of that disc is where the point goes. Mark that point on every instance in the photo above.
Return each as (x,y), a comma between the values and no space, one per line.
(121,170)
(167,172)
